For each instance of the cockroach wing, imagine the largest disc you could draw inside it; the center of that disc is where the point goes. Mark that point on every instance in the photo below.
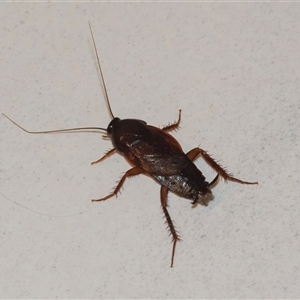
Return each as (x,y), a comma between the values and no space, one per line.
(158,153)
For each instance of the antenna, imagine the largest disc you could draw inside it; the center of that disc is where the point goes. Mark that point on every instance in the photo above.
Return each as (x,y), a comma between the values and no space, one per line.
(102,77)
(89,129)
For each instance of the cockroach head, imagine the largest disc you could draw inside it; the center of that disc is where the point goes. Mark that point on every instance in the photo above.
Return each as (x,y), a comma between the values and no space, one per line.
(203,199)
(111,125)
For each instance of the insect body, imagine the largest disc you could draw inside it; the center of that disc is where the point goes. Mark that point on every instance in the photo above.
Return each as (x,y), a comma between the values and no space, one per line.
(154,152)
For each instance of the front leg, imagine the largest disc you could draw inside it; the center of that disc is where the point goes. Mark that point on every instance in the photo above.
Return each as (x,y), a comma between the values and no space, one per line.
(173,126)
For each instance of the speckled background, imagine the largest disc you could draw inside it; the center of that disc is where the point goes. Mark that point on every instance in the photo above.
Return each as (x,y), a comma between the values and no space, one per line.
(233,68)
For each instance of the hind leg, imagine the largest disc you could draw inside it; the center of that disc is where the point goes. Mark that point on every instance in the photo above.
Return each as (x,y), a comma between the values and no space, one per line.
(194,153)
(173,232)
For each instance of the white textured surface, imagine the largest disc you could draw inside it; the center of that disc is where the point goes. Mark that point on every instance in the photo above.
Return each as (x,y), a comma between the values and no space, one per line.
(234,70)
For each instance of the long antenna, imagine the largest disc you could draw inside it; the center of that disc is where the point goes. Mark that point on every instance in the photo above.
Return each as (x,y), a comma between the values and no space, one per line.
(102,77)
(44,214)
(90,129)
(59,130)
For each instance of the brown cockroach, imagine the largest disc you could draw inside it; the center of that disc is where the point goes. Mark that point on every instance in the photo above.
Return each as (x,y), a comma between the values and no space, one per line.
(154,152)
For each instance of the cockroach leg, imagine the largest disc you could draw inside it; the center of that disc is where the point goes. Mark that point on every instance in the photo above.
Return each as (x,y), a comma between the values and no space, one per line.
(191,155)
(132,172)
(164,204)
(194,153)
(107,154)
(214,182)
(174,125)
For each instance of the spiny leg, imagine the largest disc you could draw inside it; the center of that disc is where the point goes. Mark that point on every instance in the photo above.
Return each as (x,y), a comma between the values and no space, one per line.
(132,172)
(173,126)
(164,204)
(107,154)
(194,153)
(215,181)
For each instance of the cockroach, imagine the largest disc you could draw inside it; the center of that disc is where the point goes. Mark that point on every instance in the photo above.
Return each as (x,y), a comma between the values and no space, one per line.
(154,152)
